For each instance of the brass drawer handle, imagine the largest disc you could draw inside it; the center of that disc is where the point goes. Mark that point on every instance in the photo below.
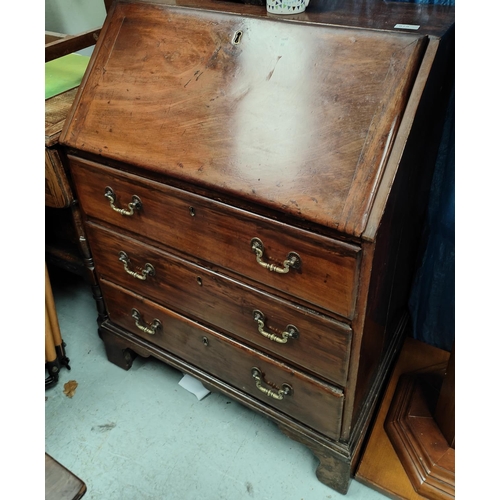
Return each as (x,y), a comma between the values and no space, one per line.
(291,331)
(148,270)
(286,390)
(135,204)
(151,328)
(292,259)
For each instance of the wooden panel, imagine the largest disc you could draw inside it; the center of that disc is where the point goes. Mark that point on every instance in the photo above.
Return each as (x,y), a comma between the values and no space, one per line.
(253,112)
(222,235)
(57,189)
(312,402)
(322,346)
(60,483)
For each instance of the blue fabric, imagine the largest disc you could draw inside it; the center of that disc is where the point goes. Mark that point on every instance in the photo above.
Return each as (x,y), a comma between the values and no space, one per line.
(430,2)
(432,301)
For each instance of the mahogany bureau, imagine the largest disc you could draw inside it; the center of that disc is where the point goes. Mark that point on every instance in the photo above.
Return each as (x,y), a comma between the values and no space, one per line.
(253,189)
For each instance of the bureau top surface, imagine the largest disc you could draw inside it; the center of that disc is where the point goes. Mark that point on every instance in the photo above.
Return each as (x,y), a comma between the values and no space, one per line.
(295,116)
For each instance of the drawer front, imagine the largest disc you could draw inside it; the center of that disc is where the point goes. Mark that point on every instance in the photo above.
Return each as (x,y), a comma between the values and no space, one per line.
(317,343)
(310,401)
(221,235)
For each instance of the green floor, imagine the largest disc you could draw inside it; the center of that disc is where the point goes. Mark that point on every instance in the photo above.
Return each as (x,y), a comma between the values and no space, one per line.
(137,434)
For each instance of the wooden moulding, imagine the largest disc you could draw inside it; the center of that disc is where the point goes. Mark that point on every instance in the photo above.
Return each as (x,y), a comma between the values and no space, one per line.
(422,448)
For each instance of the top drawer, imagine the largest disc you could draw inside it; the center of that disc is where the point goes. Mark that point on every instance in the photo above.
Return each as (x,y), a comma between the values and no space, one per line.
(304,265)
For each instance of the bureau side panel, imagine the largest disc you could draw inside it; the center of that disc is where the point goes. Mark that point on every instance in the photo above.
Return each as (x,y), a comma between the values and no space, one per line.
(400,229)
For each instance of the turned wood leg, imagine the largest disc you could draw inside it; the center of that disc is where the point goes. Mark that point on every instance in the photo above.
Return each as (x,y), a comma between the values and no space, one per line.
(333,470)
(90,272)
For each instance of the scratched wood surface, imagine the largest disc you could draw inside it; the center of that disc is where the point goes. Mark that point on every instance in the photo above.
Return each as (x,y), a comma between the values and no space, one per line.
(294,117)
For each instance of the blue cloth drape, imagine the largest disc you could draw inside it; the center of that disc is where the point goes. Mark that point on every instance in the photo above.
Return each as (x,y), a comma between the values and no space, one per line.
(431,2)
(432,300)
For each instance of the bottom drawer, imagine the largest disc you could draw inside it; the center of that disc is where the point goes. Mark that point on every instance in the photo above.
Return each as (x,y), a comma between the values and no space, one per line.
(308,400)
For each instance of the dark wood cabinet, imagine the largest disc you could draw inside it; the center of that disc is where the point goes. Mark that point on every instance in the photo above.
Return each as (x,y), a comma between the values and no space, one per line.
(253,188)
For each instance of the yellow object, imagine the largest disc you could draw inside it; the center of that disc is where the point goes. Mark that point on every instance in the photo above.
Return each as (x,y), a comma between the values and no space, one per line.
(64,73)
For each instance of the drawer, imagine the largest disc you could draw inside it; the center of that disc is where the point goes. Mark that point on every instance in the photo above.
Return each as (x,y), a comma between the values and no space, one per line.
(304,398)
(326,271)
(318,344)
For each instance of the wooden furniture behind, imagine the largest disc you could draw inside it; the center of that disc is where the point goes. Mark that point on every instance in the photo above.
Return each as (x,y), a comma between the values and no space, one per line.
(420,424)
(380,467)
(66,243)
(253,188)
(65,239)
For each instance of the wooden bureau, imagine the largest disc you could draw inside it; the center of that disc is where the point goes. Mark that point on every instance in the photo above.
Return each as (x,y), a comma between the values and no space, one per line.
(253,189)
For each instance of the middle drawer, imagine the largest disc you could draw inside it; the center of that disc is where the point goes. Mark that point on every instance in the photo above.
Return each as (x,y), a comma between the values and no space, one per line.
(309,340)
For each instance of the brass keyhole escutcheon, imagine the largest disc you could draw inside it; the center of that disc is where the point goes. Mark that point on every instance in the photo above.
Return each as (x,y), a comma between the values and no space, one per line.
(192,212)
(199,281)
(237,37)
(205,341)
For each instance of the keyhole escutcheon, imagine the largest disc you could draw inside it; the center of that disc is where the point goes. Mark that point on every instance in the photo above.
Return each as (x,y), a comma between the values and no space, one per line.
(237,37)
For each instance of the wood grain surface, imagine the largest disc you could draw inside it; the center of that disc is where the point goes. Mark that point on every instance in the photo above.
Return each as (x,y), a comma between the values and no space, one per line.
(221,236)
(322,345)
(298,118)
(315,403)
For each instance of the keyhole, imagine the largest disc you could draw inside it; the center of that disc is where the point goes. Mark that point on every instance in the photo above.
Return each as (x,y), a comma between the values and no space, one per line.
(198,279)
(237,37)
(192,212)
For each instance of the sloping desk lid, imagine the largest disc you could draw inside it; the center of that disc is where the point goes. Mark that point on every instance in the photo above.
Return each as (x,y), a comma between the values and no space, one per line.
(297,117)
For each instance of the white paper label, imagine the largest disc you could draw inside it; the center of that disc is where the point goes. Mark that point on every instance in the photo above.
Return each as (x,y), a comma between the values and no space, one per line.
(407,26)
